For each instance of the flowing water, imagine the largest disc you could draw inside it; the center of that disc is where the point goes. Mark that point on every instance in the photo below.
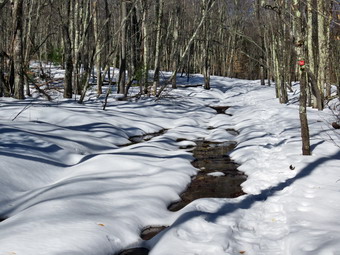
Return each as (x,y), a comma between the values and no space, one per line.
(218,177)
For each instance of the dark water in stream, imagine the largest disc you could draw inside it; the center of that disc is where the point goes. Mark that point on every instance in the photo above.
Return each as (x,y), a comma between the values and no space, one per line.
(218,177)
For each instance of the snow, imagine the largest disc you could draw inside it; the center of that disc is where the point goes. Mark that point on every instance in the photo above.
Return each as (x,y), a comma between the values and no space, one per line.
(216,174)
(72,183)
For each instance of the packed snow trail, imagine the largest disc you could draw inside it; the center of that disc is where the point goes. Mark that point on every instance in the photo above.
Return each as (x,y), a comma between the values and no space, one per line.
(67,187)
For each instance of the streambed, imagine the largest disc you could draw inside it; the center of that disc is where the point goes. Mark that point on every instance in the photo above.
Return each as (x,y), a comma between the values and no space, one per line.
(218,177)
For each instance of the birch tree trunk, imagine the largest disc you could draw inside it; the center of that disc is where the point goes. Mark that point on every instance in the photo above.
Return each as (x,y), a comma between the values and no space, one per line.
(323,49)
(312,51)
(75,29)
(175,45)
(107,37)
(276,67)
(96,28)
(159,13)
(324,9)
(18,58)
(145,30)
(27,49)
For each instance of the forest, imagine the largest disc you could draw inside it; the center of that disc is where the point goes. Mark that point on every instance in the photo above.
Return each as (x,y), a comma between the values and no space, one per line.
(169,127)
(274,40)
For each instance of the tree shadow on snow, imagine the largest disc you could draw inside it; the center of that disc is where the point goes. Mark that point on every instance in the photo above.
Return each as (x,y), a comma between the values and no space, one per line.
(249,200)
(267,193)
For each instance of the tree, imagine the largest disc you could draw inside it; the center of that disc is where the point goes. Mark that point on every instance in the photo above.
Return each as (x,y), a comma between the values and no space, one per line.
(210,4)
(236,41)
(175,43)
(206,46)
(259,5)
(123,38)
(158,46)
(300,43)
(17,50)
(98,45)
(324,20)
(67,39)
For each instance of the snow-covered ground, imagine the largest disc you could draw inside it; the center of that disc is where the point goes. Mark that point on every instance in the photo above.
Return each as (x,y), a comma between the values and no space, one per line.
(69,184)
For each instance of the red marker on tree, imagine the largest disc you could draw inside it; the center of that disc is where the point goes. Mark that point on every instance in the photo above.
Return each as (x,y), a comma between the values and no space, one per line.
(301,62)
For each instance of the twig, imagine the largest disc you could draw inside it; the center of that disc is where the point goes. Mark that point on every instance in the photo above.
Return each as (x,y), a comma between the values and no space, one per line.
(26,107)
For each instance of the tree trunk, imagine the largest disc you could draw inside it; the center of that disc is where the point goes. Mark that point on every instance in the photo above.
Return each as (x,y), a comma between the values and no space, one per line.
(322,50)
(75,32)
(145,30)
(175,45)
(18,58)
(27,43)
(107,38)
(67,52)
(159,12)
(206,50)
(312,53)
(300,49)
(276,64)
(259,5)
(303,115)
(135,43)
(96,28)
(122,67)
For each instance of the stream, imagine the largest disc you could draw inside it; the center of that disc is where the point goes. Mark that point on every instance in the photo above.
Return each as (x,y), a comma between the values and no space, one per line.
(218,177)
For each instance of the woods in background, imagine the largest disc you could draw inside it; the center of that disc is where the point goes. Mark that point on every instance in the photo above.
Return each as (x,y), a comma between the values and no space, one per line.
(272,40)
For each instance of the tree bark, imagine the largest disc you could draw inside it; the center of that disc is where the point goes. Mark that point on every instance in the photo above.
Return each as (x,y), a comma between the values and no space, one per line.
(206,50)
(122,67)
(67,51)
(259,5)
(146,53)
(18,58)
(159,12)
(300,49)
(175,45)
(323,52)
(97,40)
(303,115)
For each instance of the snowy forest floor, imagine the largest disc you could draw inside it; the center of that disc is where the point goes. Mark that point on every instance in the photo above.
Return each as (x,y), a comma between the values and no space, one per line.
(71,182)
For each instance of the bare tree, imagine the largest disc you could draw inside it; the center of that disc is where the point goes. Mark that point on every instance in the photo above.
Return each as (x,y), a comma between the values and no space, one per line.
(158,46)
(300,35)
(206,45)
(236,41)
(123,38)
(17,51)
(97,39)
(65,17)
(209,3)
(175,44)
